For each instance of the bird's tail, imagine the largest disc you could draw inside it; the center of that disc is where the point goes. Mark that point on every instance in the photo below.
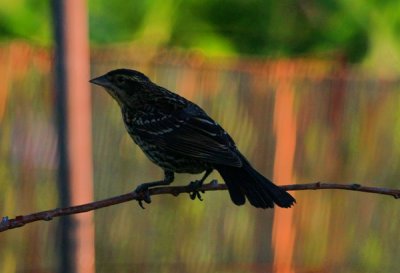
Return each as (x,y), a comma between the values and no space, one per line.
(247,182)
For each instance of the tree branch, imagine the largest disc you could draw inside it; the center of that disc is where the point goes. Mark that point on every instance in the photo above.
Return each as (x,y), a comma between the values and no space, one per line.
(48,215)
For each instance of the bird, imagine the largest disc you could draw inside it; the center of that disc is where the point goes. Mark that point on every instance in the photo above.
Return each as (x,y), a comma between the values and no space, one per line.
(180,137)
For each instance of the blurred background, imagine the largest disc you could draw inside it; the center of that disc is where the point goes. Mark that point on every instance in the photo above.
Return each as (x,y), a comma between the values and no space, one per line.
(306,88)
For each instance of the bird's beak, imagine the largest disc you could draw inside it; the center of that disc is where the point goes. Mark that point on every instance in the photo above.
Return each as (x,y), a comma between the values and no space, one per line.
(102,81)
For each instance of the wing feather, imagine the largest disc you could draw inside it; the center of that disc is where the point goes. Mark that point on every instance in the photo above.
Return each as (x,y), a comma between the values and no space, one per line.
(191,133)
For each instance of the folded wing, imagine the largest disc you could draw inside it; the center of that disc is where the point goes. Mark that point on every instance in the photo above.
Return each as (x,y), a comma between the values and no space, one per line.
(192,133)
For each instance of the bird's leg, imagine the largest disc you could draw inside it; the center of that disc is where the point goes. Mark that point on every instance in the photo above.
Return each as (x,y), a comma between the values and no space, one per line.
(195,185)
(143,189)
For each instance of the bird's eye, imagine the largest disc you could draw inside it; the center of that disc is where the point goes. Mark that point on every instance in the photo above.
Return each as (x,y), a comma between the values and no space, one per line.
(120,80)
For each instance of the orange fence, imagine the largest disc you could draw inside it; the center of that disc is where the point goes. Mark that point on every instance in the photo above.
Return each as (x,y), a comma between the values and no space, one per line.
(296,120)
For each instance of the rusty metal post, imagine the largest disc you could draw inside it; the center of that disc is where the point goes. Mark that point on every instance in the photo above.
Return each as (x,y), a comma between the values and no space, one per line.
(73,108)
(284,232)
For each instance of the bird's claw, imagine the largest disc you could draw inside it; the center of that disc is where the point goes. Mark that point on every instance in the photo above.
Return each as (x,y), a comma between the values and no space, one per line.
(144,195)
(195,193)
(146,199)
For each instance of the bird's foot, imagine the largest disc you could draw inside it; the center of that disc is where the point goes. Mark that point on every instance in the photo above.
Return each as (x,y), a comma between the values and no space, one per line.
(144,195)
(194,187)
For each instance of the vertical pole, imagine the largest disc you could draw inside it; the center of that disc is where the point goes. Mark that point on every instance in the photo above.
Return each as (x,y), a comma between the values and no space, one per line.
(73,108)
(283,231)
(79,133)
(65,243)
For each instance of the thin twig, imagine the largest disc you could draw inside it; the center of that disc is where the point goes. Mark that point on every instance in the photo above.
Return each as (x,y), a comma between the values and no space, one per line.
(19,221)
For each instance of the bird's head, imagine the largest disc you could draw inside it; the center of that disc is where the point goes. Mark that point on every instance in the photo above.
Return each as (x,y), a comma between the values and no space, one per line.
(127,87)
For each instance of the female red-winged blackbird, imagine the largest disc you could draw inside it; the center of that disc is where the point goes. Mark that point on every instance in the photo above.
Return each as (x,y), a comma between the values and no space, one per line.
(180,137)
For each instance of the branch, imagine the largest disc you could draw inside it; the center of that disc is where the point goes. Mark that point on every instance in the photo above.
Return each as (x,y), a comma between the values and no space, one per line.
(48,215)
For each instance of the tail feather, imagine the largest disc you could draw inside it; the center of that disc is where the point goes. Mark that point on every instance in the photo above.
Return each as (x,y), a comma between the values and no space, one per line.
(247,182)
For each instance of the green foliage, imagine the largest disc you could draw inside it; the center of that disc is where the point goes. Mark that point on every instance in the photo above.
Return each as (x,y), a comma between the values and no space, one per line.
(25,19)
(115,21)
(359,30)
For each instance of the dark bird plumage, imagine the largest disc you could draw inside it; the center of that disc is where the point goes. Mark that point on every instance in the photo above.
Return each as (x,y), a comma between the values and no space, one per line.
(180,137)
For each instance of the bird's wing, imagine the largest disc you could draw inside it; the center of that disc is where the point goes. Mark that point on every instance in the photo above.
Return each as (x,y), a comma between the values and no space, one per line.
(192,133)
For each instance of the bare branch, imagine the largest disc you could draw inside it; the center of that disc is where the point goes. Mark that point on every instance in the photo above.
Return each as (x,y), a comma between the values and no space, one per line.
(48,215)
